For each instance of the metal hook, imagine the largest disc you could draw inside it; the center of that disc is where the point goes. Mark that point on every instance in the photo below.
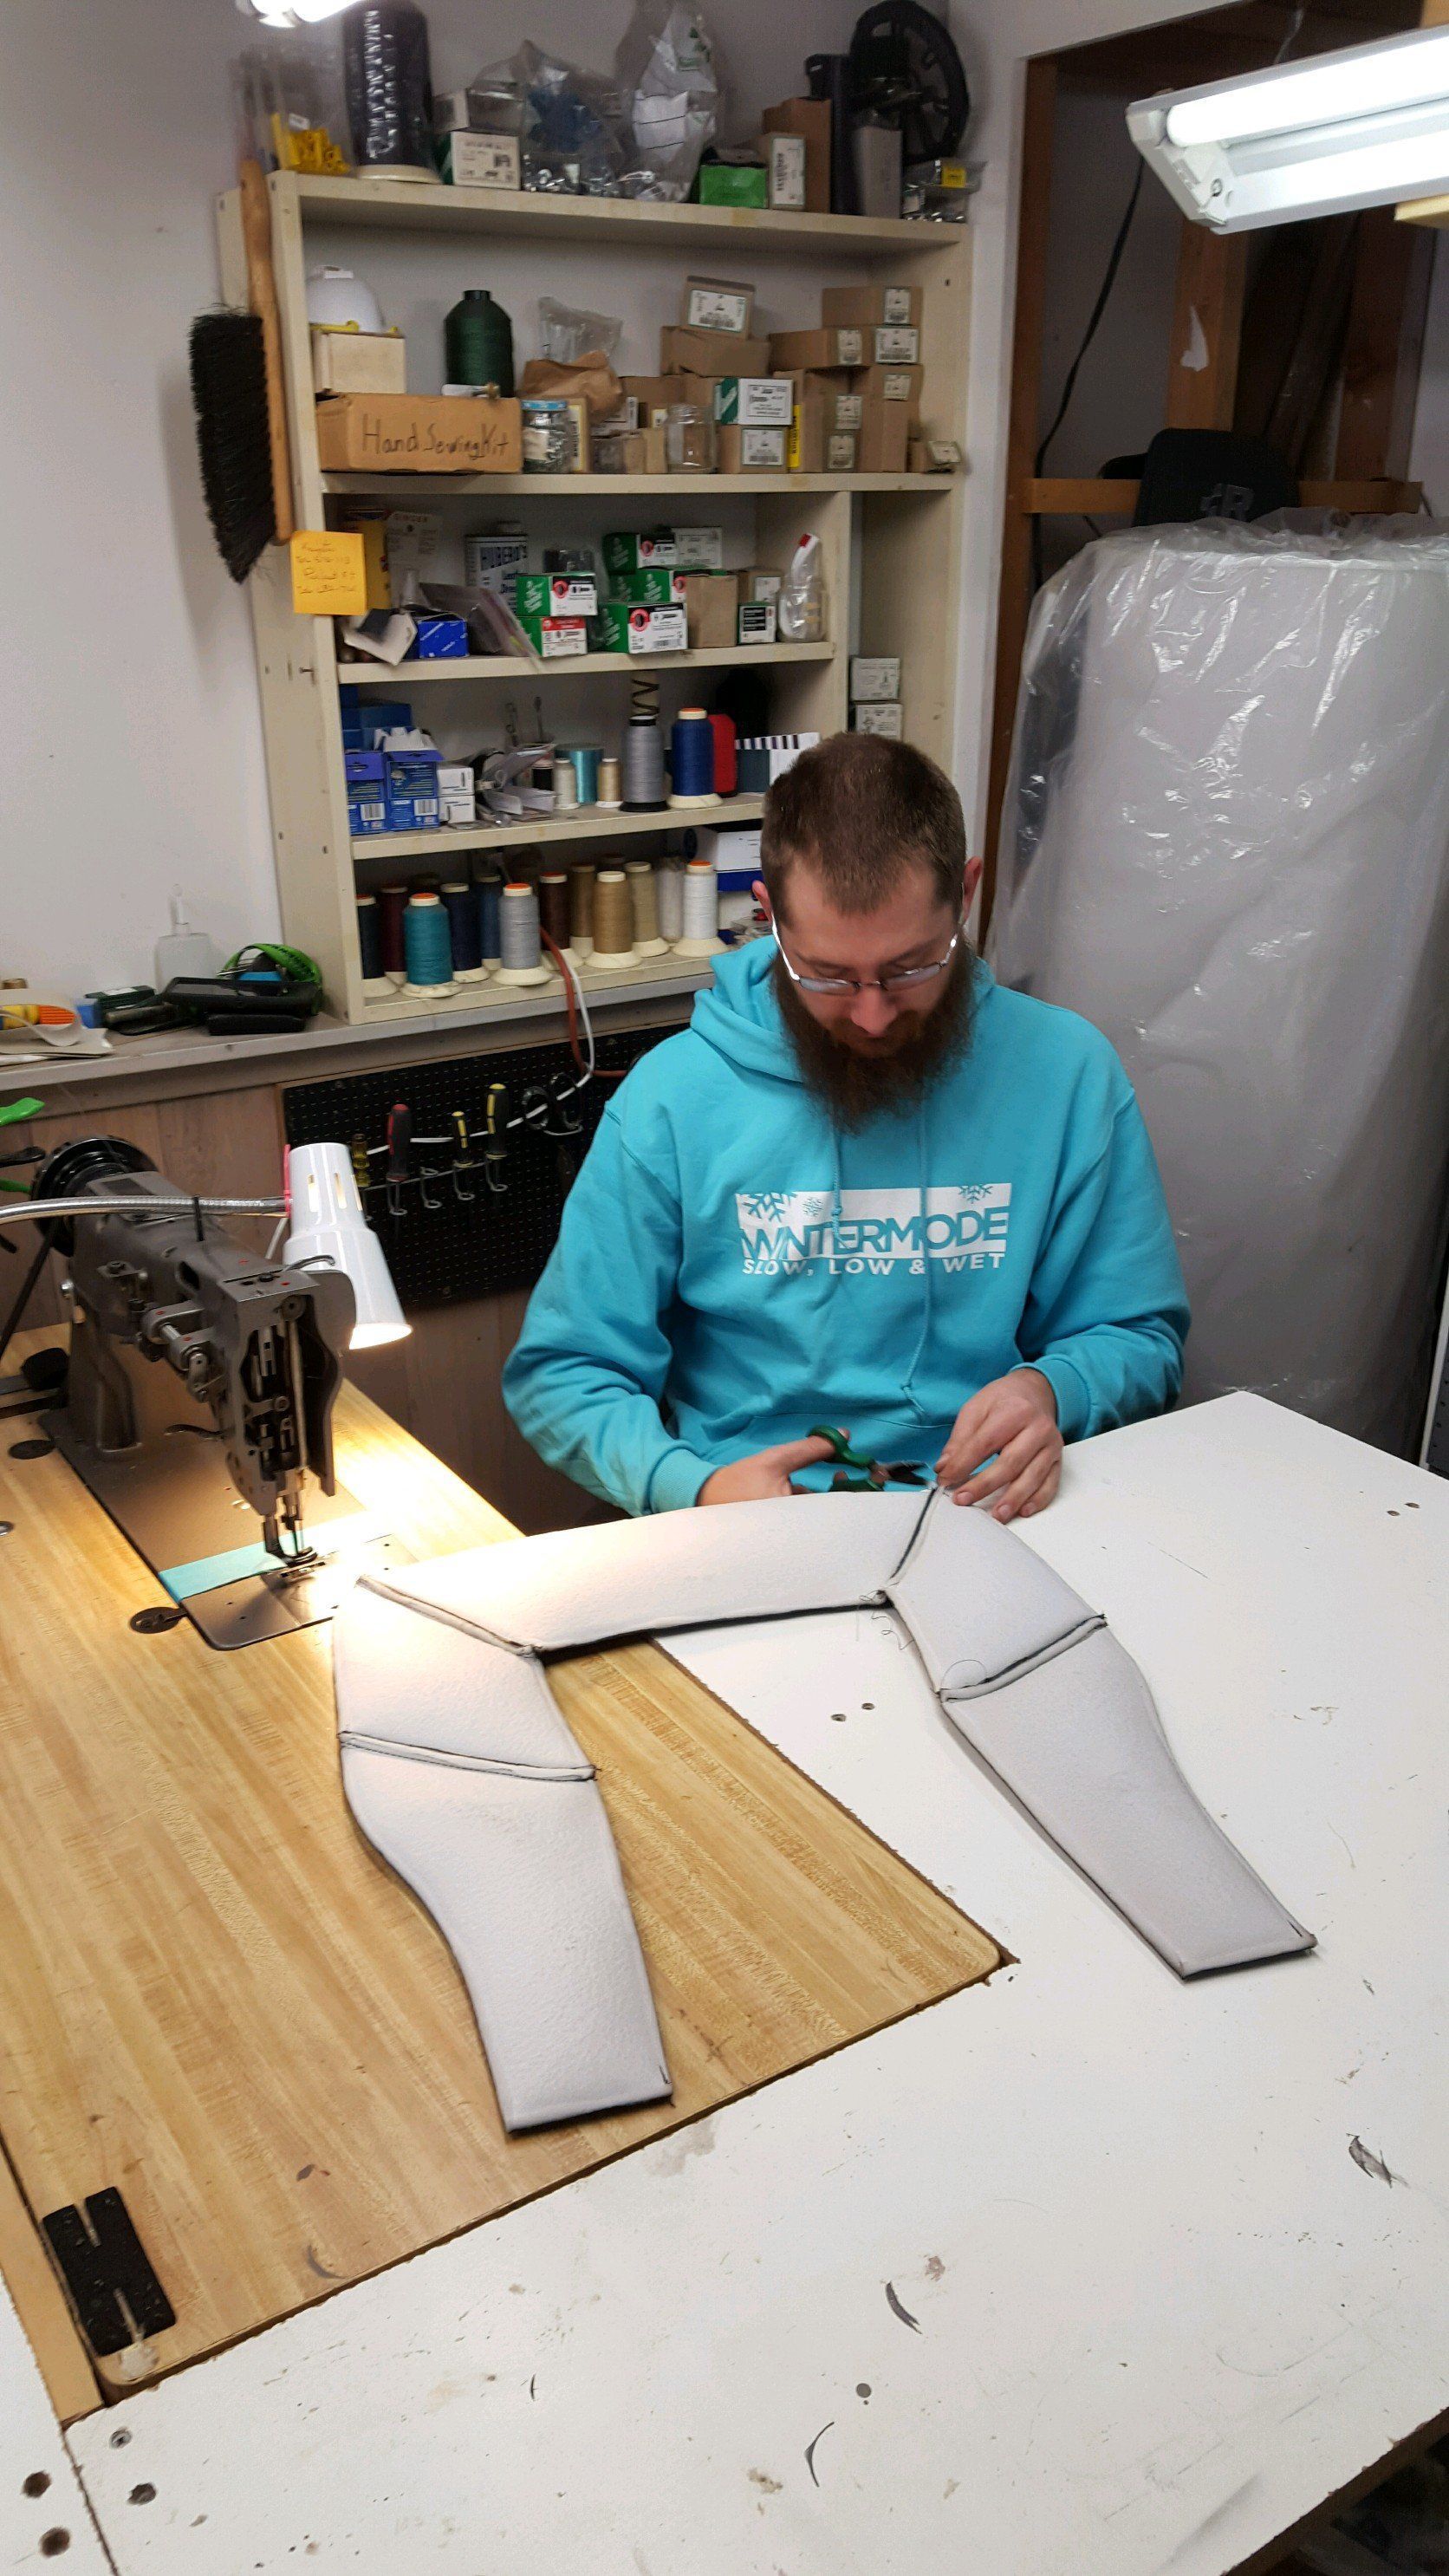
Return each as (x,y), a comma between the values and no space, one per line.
(561,1093)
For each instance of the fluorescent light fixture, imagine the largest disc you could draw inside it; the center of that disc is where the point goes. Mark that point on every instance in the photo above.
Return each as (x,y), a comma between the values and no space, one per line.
(327,1225)
(1365,127)
(292,13)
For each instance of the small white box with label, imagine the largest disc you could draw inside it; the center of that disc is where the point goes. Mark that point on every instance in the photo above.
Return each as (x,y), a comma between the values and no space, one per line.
(879,718)
(875,675)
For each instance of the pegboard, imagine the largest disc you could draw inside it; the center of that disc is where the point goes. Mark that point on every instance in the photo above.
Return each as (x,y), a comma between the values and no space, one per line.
(447,1234)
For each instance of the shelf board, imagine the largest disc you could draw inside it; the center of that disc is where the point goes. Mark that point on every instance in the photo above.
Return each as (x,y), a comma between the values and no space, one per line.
(514,666)
(1093,496)
(588,826)
(467,487)
(475,1004)
(429,206)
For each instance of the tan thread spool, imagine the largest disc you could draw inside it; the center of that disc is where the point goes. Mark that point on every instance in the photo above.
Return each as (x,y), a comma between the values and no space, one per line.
(644,908)
(613,920)
(581,907)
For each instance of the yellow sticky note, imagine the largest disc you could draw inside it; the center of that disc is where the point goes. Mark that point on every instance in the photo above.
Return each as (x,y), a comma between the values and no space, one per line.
(329,575)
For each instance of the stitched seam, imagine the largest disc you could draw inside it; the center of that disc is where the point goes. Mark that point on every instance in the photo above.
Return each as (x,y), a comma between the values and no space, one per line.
(446,1618)
(1024,1664)
(912,1542)
(497,1768)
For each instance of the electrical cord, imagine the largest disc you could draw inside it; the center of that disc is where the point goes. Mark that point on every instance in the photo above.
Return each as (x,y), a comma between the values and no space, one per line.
(1109,280)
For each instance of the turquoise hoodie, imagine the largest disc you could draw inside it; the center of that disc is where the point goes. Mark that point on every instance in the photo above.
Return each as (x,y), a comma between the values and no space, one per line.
(732,1268)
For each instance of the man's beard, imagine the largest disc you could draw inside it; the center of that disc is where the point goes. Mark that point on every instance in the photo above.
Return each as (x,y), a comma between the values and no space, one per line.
(857,1081)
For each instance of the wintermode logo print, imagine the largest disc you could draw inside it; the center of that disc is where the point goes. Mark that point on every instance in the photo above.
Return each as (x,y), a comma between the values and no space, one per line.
(786,1231)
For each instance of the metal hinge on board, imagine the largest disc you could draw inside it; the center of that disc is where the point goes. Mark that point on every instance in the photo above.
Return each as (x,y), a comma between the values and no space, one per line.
(113,2289)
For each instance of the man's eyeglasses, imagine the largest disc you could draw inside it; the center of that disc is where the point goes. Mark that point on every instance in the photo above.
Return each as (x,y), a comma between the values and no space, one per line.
(905,979)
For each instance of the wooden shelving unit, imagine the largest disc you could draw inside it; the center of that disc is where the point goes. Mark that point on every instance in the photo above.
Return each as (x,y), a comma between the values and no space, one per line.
(891,544)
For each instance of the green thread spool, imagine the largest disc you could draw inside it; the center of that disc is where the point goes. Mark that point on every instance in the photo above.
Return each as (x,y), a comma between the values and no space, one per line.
(478,341)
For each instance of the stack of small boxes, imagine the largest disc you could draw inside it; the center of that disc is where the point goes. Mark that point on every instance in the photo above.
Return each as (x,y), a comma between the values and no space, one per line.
(406,789)
(875,694)
(857,380)
(670,590)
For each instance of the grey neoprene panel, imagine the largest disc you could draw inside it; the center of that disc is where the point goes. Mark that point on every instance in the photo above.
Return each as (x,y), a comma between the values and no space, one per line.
(459,1768)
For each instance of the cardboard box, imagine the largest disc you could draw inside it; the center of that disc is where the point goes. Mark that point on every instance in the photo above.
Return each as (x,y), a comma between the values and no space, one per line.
(556,594)
(419,434)
(411,781)
(366,791)
(655,396)
(457,793)
(557,639)
(359,362)
(816,445)
(699,549)
(875,677)
(755,401)
(629,627)
(441,639)
(893,347)
(758,622)
(843,348)
(884,438)
(876,717)
(752,451)
(732,183)
(712,353)
(718,304)
(629,550)
(653,585)
(711,606)
(785,162)
(368,520)
(893,385)
(493,562)
(479,160)
(809,117)
(759,584)
(870,308)
(643,451)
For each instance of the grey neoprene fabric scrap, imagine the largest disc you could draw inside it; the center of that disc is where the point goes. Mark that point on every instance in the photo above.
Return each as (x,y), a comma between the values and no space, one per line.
(460,1769)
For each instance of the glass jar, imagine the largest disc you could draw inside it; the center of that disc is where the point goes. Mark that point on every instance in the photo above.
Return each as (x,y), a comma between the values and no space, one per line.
(689,439)
(550,436)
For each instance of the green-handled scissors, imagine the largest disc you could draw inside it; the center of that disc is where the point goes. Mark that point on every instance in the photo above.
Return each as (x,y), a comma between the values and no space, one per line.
(875,1475)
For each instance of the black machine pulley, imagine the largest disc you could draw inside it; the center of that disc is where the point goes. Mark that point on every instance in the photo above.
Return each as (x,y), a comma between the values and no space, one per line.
(905,69)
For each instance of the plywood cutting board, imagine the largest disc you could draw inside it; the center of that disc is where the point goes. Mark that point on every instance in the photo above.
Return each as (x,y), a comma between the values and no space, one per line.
(215,1997)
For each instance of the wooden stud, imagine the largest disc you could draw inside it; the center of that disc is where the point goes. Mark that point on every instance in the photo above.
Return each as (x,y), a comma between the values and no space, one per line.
(1383,345)
(1014,597)
(1207,323)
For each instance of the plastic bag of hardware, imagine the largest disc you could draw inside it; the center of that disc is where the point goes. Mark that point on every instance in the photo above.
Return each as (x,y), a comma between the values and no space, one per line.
(1226,842)
(667,74)
(567,333)
(569,122)
(290,106)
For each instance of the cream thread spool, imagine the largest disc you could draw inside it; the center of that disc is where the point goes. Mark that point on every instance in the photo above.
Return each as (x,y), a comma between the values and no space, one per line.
(701,912)
(518,934)
(565,786)
(644,908)
(613,923)
(581,908)
(670,896)
(611,793)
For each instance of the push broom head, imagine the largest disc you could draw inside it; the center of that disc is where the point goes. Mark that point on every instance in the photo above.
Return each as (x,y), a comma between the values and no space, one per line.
(229,396)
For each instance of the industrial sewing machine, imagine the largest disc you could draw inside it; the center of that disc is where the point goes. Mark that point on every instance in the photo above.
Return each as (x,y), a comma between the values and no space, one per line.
(199,1396)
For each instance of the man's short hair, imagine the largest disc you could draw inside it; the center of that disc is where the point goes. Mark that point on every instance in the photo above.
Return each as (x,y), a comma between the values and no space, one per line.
(860,809)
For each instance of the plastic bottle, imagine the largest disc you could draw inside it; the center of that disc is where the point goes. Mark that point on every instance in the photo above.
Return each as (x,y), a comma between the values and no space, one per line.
(802,596)
(182,950)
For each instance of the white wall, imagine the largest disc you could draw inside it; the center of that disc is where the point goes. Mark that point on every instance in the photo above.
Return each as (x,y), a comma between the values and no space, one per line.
(135,757)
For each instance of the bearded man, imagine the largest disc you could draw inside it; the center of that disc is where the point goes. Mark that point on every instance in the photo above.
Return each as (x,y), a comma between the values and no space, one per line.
(867,1187)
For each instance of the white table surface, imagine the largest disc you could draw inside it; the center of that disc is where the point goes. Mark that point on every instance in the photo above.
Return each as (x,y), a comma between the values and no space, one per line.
(33,2455)
(1154,2311)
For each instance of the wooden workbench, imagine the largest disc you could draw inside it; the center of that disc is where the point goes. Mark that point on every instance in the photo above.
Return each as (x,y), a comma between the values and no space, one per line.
(215,1997)
(1075,2274)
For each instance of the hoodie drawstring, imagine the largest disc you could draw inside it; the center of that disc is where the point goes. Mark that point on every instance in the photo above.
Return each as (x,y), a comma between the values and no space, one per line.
(907,1382)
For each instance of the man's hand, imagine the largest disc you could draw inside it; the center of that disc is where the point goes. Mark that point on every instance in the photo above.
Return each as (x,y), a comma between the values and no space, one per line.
(760,1478)
(1013,1422)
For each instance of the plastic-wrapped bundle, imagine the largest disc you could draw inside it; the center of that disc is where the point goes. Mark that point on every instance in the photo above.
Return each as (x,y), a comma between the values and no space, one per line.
(1227,844)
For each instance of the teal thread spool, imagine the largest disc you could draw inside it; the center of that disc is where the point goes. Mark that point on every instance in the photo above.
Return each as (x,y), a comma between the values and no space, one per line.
(478,342)
(427,946)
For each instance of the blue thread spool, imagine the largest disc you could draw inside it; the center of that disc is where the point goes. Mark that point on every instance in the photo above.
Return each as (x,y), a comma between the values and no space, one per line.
(427,946)
(461,906)
(691,759)
(489,891)
(586,772)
